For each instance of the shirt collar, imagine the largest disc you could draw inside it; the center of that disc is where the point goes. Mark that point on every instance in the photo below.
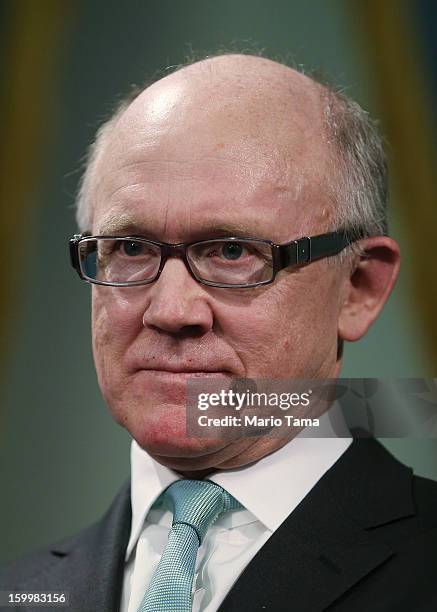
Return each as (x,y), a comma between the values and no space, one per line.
(285,477)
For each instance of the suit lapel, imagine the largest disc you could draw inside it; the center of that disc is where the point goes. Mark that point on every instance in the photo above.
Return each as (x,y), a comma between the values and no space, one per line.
(90,566)
(325,546)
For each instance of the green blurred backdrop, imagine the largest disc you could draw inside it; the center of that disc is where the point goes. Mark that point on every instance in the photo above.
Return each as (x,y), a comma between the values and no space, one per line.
(64,65)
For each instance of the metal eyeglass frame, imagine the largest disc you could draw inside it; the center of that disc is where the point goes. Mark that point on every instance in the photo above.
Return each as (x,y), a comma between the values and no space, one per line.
(301,251)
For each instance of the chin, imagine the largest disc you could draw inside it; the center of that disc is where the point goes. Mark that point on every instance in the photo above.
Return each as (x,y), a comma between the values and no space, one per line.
(162,432)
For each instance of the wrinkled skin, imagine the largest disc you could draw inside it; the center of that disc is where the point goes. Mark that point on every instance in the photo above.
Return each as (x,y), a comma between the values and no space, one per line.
(231,141)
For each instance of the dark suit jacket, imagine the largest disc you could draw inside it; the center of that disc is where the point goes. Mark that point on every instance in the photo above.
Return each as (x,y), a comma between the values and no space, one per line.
(364,539)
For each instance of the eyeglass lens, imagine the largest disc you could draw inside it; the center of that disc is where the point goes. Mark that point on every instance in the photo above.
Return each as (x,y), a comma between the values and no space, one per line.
(124,260)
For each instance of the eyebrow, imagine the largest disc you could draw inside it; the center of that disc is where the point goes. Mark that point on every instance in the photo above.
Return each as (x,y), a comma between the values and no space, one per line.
(114,224)
(127,225)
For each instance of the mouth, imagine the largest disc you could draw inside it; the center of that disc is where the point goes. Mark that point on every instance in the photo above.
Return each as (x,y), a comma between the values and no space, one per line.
(186,373)
(174,383)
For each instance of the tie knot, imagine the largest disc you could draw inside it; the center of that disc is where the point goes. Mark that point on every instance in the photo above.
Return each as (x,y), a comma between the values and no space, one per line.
(198,503)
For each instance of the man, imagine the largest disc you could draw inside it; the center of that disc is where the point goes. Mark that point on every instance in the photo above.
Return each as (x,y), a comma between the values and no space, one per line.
(219,155)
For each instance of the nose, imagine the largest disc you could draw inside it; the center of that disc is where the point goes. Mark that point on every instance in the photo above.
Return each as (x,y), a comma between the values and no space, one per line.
(176,303)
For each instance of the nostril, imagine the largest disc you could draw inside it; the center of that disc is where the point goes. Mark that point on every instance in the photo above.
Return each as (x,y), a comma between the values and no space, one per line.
(192,331)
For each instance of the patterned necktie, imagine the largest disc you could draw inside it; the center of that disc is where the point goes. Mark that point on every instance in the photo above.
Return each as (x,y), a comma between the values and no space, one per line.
(196,505)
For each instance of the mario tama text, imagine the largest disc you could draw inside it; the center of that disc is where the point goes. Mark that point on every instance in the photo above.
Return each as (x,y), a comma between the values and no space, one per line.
(254,420)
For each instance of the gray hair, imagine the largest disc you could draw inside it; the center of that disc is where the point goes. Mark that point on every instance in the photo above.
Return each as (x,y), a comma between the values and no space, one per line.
(83,203)
(359,183)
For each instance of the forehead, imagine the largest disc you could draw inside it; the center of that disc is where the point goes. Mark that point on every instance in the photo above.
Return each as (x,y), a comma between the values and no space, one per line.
(175,169)
(180,201)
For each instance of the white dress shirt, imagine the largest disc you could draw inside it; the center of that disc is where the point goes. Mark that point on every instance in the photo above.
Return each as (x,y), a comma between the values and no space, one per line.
(269,490)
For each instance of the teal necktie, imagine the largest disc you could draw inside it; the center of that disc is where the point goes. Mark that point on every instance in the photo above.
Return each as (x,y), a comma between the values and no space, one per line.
(196,505)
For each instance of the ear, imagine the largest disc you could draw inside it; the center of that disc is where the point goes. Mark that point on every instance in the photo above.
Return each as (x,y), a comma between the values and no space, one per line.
(368,286)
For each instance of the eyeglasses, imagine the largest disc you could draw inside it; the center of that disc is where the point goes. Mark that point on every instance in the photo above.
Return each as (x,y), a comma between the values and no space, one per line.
(228,262)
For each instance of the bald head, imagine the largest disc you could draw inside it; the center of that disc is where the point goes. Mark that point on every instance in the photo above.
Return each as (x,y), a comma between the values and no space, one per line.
(299,133)
(264,116)
(245,93)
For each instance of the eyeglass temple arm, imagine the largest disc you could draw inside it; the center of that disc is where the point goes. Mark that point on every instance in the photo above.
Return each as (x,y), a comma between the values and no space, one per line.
(305,250)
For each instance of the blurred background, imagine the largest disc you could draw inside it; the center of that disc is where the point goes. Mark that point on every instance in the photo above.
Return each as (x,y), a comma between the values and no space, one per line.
(64,66)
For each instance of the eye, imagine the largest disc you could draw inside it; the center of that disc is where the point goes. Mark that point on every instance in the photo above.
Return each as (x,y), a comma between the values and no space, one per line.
(232,250)
(131,248)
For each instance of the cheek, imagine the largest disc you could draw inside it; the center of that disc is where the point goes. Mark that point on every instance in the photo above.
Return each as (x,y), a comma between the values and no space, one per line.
(291,332)
(115,323)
